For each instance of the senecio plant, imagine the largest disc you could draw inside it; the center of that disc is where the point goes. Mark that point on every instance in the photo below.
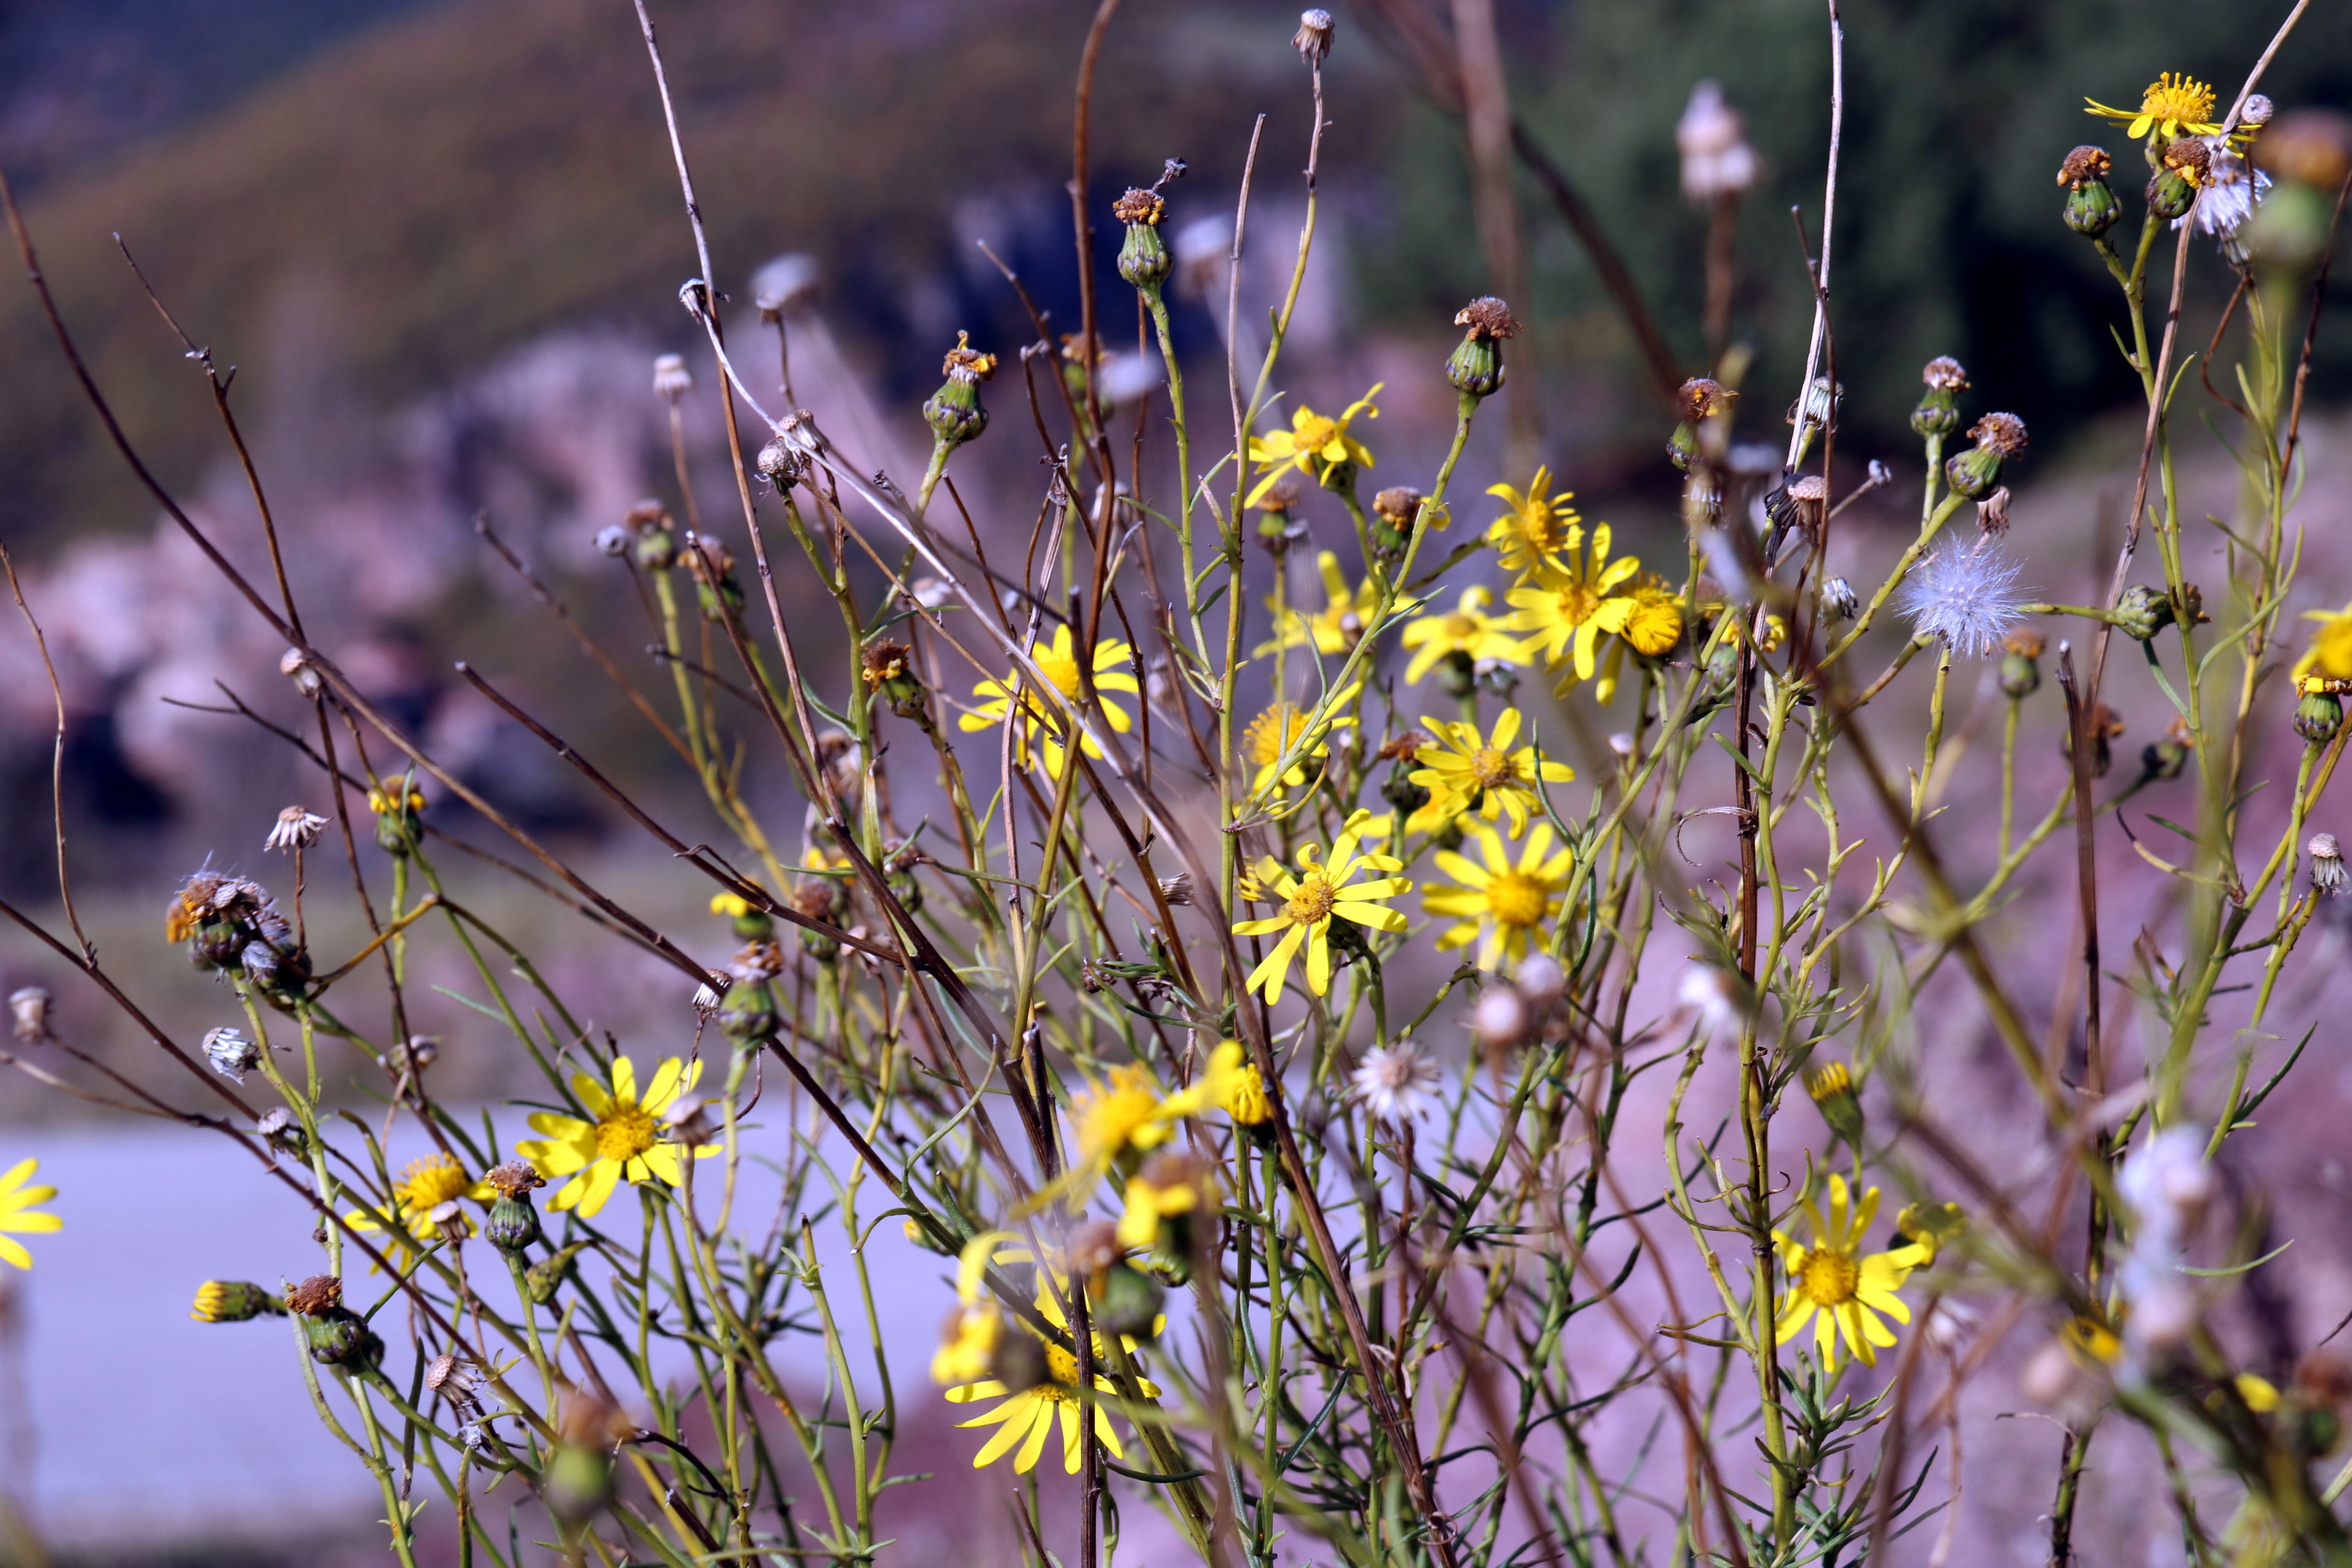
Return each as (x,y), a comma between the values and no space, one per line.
(1259,1039)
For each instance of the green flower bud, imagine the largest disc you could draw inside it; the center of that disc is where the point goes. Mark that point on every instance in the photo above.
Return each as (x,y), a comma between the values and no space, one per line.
(1457,675)
(2181,168)
(1682,446)
(1398,788)
(953,412)
(1998,436)
(1831,1088)
(2021,673)
(2090,207)
(338,1338)
(1130,1304)
(513,1225)
(577,1480)
(547,1276)
(2165,757)
(712,566)
(1475,368)
(1144,258)
(1938,413)
(656,547)
(2318,715)
(234,1301)
(2142,612)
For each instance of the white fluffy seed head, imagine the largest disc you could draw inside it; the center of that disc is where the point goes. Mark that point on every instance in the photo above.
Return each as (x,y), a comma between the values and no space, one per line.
(1967,598)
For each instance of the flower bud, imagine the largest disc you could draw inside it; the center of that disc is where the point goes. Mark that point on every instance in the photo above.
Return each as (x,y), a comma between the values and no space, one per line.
(1394,511)
(1019,1363)
(1831,1085)
(1398,788)
(397,807)
(2182,167)
(712,566)
(747,1014)
(2090,206)
(1144,258)
(1998,436)
(1938,415)
(334,1333)
(234,1301)
(1475,368)
(953,412)
(2142,612)
(2165,757)
(2020,676)
(547,1276)
(649,521)
(2318,715)
(1457,674)
(28,1014)
(513,1224)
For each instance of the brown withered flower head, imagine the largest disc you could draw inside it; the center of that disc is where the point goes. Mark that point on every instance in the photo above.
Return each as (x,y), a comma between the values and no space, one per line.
(1140,206)
(1944,372)
(765,960)
(319,1294)
(2025,642)
(2083,165)
(1992,512)
(2189,157)
(965,363)
(514,1178)
(1487,319)
(1398,503)
(1313,39)
(2001,433)
(1703,397)
(884,660)
(1403,748)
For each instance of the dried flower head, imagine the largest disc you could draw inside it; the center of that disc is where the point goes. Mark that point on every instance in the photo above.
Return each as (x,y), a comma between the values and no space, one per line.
(232,1054)
(1177,889)
(762,960)
(514,1178)
(1487,319)
(884,660)
(1141,207)
(2025,642)
(297,828)
(2326,864)
(1313,39)
(2311,147)
(28,1013)
(2190,157)
(296,666)
(672,380)
(1809,490)
(1992,512)
(1967,599)
(1702,397)
(1945,373)
(318,1295)
(1398,504)
(1712,138)
(1403,748)
(2001,433)
(1396,1083)
(690,1121)
(967,363)
(456,1378)
(2083,165)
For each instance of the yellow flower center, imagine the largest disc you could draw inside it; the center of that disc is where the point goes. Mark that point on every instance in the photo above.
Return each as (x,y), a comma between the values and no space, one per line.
(626,1131)
(1460,627)
(2172,96)
(1317,432)
(1541,526)
(1828,1278)
(1109,1119)
(1577,604)
(429,1182)
(1491,768)
(1061,668)
(1312,901)
(1272,732)
(1515,898)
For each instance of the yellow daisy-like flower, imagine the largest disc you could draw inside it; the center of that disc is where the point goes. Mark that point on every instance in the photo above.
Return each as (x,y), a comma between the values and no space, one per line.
(424,1185)
(1315,444)
(1654,624)
(2329,657)
(1320,892)
(2173,104)
(1231,1083)
(1461,773)
(18,1212)
(1467,630)
(1836,1288)
(1339,625)
(1027,1419)
(623,1143)
(1538,525)
(1057,657)
(1572,601)
(1502,905)
(1125,1111)
(1169,1187)
(1279,732)
(968,1343)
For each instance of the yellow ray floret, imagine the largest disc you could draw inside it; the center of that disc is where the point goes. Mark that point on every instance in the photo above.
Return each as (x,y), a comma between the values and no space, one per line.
(18,1213)
(624,1143)
(2173,103)
(1837,1287)
(1057,657)
(1537,526)
(1468,630)
(1320,892)
(1502,905)
(1464,773)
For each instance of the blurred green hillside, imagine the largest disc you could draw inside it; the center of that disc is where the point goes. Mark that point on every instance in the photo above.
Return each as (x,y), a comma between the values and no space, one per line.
(475,173)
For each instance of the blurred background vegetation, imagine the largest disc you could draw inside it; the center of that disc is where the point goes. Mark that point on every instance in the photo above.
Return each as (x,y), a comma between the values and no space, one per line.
(411,188)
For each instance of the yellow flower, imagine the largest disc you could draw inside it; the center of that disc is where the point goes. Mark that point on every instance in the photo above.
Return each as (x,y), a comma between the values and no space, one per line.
(1027,1418)
(1058,658)
(17,1213)
(624,1141)
(1232,1084)
(1311,900)
(385,802)
(734,905)
(1167,1188)
(1315,444)
(1833,1279)
(1468,630)
(1125,1111)
(2173,103)
(1572,601)
(1500,906)
(1929,1225)
(1339,625)
(424,1185)
(1537,526)
(1654,623)
(968,1343)
(2330,653)
(1279,730)
(1461,772)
